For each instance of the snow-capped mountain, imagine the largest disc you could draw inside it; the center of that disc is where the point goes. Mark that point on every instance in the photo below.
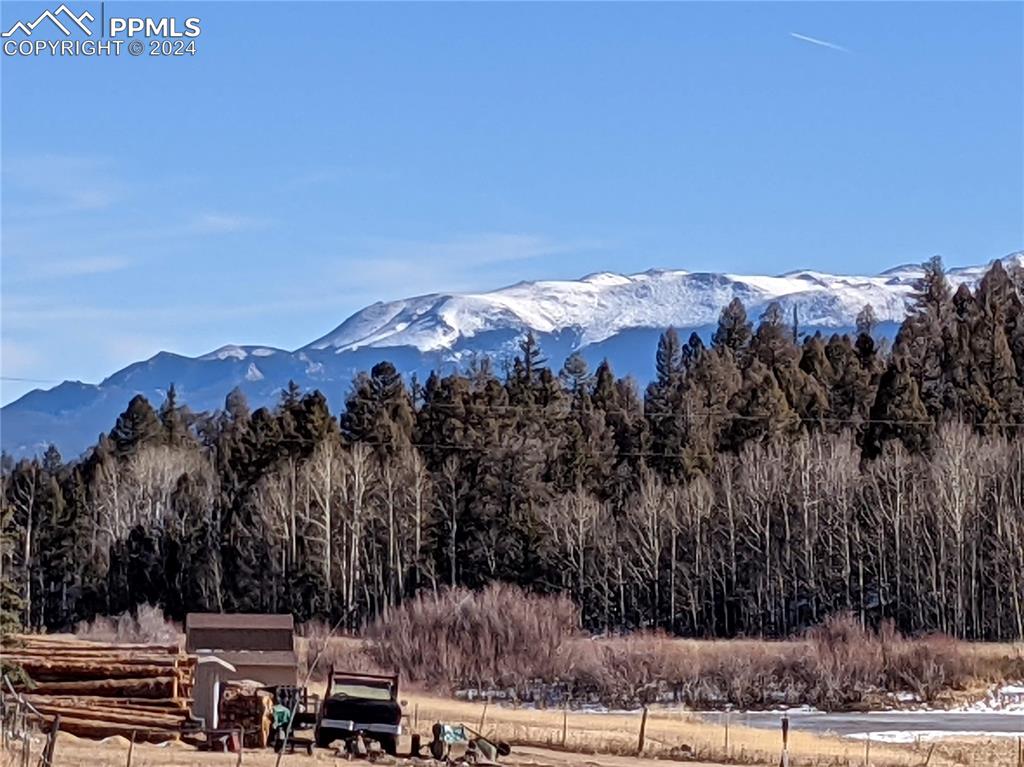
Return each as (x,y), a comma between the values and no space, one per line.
(602,315)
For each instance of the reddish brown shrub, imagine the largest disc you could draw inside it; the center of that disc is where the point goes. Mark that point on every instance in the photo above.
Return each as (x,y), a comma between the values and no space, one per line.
(504,638)
(498,637)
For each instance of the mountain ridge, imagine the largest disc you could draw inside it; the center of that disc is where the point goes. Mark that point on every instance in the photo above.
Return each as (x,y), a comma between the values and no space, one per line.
(603,314)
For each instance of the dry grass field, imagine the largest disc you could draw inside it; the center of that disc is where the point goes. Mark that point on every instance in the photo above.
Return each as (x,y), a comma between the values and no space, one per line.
(680,736)
(591,740)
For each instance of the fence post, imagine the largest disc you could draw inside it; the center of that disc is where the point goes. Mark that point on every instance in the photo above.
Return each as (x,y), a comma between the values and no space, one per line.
(483,715)
(1020,752)
(784,761)
(131,748)
(867,750)
(565,722)
(643,730)
(727,714)
(21,733)
(928,758)
(241,746)
(416,716)
(51,742)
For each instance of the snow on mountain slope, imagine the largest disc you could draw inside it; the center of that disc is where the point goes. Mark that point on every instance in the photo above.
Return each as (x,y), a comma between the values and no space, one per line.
(604,315)
(602,305)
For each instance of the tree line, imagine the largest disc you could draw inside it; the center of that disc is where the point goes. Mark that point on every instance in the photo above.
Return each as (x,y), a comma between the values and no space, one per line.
(761,482)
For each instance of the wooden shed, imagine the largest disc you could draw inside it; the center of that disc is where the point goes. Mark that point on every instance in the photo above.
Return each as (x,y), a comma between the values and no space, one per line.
(260,647)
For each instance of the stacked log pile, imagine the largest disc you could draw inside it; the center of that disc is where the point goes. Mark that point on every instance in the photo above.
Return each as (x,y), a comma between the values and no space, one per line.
(101,690)
(244,705)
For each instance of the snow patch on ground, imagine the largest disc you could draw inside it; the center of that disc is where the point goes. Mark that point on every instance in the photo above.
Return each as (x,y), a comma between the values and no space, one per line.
(226,352)
(913,736)
(1008,699)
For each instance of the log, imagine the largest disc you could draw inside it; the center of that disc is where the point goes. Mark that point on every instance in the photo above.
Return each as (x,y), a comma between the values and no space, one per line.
(157,706)
(153,687)
(98,657)
(126,717)
(88,728)
(45,671)
(73,643)
(110,659)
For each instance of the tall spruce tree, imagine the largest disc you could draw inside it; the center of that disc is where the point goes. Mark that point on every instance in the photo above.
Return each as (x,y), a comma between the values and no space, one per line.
(136,427)
(734,330)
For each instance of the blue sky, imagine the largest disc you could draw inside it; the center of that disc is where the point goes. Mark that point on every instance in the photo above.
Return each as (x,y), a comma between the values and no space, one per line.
(315,157)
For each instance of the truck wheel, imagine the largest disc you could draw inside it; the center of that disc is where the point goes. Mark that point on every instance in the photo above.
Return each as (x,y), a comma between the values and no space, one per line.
(324,738)
(389,743)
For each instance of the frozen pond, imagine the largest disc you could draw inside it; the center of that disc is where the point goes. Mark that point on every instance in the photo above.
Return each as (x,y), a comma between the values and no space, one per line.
(890,726)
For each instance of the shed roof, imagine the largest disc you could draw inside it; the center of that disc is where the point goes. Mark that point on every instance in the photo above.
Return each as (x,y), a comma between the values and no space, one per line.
(280,621)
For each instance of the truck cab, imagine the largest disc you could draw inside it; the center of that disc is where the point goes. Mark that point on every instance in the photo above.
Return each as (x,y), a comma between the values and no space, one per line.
(360,703)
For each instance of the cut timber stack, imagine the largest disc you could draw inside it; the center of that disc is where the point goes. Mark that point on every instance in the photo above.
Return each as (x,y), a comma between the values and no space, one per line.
(101,690)
(243,704)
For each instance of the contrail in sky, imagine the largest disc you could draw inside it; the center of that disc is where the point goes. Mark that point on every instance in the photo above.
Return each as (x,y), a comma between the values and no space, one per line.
(816,41)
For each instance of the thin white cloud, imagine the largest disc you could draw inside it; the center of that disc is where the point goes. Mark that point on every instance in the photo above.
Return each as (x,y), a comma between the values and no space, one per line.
(77,267)
(817,41)
(22,269)
(221,223)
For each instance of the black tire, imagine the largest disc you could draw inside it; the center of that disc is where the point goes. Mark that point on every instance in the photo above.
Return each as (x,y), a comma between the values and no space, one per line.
(389,743)
(324,738)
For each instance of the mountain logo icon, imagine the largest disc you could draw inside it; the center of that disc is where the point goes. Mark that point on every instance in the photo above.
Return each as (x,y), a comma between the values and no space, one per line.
(62,18)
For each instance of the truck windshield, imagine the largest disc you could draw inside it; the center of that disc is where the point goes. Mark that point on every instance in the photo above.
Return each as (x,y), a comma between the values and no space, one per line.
(361,691)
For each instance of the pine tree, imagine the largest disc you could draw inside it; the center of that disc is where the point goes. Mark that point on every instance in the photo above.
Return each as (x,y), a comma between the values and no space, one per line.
(850,382)
(994,386)
(669,360)
(760,410)
(713,381)
(898,412)
(575,374)
(379,411)
(236,406)
(523,378)
(734,330)
(174,419)
(11,603)
(925,340)
(866,321)
(663,407)
(136,427)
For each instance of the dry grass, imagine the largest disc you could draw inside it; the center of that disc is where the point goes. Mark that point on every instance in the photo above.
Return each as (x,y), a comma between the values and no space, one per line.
(593,740)
(668,732)
(315,644)
(146,625)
